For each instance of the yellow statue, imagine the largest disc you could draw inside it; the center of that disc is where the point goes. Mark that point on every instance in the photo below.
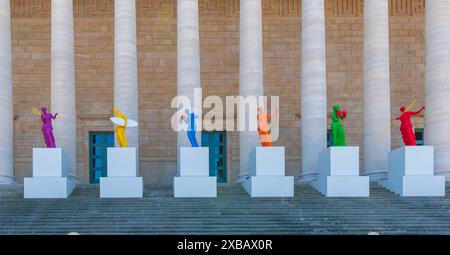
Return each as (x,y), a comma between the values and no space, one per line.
(120,130)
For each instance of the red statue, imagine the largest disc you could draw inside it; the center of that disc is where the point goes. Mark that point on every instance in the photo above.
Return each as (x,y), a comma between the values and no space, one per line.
(406,128)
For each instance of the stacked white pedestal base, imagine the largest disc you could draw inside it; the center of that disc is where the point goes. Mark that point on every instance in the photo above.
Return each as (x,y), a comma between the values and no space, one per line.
(269,186)
(268,174)
(195,186)
(411,172)
(194,179)
(122,180)
(339,173)
(49,175)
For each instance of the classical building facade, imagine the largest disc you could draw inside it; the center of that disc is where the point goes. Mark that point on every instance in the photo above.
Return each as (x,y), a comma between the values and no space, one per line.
(83,57)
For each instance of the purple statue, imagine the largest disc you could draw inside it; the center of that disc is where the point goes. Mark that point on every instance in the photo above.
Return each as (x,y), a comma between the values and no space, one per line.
(47,129)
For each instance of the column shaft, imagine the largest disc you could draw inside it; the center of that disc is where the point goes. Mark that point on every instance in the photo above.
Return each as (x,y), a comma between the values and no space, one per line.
(6,96)
(63,81)
(188,61)
(251,80)
(437,86)
(125,66)
(313,88)
(376,91)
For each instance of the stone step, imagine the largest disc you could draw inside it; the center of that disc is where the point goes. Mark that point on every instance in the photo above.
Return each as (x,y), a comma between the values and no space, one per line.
(232,212)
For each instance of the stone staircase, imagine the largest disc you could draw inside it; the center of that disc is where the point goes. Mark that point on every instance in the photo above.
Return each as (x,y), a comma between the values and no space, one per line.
(232,212)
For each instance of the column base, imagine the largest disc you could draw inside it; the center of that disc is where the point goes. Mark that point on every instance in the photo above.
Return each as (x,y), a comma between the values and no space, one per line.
(121,187)
(243,177)
(195,186)
(74,179)
(376,176)
(269,186)
(308,178)
(6,179)
(48,187)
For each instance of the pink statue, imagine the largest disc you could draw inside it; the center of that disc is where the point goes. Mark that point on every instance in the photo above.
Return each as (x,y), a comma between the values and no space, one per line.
(406,127)
(47,129)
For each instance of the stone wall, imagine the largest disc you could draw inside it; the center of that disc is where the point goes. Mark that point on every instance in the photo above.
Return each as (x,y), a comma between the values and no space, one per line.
(219,35)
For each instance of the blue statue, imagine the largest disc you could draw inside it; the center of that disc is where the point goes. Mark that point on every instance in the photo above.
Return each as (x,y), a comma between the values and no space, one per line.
(189,118)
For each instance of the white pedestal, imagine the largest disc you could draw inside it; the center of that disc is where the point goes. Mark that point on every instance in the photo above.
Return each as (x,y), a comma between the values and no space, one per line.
(411,172)
(195,186)
(194,161)
(339,173)
(121,187)
(122,180)
(121,162)
(194,179)
(49,175)
(268,174)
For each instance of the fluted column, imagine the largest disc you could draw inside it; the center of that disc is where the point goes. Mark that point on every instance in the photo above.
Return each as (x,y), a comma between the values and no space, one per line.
(251,80)
(437,83)
(313,88)
(6,96)
(376,96)
(125,65)
(188,59)
(63,81)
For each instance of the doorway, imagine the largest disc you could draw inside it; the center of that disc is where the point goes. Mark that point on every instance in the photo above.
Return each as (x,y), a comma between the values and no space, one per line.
(99,141)
(217,143)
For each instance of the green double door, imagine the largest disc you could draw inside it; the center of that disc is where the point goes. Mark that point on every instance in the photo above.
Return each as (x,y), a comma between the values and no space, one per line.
(98,144)
(217,143)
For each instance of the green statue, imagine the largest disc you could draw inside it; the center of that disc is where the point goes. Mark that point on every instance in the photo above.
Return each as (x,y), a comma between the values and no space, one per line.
(337,130)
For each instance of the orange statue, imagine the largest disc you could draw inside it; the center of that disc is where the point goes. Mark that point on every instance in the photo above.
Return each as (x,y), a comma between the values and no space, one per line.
(264,127)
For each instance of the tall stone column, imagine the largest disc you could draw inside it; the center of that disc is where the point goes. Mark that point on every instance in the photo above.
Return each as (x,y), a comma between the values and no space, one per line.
(251,80)
(437,83)
(6,96)
(63,81)
(188,60)
(376,95)
(313,88)
(125,66)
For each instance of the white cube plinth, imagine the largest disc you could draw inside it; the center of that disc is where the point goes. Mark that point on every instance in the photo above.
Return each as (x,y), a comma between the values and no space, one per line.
(267,161)
(411,172)
(194,179)
(339,173)
(268,174)
(121,180)
(194,161)
(121,162)
(49,175)
(49,162)
(121,187)
(269,186)
(195,186)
